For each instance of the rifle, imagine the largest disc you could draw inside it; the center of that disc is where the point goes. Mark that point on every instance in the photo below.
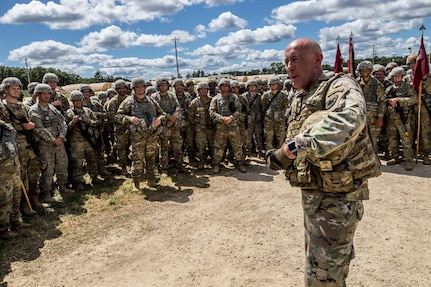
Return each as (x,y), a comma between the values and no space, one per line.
(398,110)
(84,132)
(29,136)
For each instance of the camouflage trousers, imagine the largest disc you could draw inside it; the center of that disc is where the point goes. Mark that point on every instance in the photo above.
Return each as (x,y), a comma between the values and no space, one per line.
(254,136)
(204,139)
(275,133)
(425,129)
(188,135)
(30,171)
(81,153)
(55,161)
(143,153)
(396,128)
(171,140)
(374,129)
(243,136)
(9,170)
(227,134)
(329,241)
(122,145)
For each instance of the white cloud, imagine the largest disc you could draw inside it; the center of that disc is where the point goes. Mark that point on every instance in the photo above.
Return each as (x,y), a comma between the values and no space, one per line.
(266,34)
(226,21)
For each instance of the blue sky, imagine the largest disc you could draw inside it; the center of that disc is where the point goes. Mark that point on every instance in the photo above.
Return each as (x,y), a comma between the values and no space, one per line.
(135,38)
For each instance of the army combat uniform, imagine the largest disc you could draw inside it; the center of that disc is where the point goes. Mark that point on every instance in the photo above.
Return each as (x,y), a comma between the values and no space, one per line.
(50,125)
(335,158)
(143,136)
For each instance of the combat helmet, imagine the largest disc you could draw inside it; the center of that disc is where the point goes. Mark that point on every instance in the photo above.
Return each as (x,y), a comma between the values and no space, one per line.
(162,80)
(137,82)
(274,80)
(202,85)
(378,68)
(391,65)
(177,81)
(224,82)
(120,83)
(76,96)
(411,59)
(31,87)
(85,87)
(364,65)
(250,82)
(11,81)
(234,83)
(397,71)
(40,88)
(49,77)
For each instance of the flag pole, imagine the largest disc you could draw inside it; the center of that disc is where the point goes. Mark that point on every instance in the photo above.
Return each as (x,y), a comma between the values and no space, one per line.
(422,28)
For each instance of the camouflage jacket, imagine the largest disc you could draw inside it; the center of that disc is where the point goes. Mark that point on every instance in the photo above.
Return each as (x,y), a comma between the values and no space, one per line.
(50,123)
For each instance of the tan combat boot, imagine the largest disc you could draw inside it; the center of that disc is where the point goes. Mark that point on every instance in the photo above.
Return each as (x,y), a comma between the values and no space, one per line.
(151,181)
(136,184)
(64,189)
(408,165)
(215,169)
(241,167)
(427,160)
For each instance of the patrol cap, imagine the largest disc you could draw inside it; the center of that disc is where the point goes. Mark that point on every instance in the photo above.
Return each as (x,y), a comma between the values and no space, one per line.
(40,88)
(364,65)
(137,82)
(397,71)
(202,85)
(76,95)
(31,87)
(334,157)
(11,81)
(224,82)
(411,59)
(49,77)
(119,84)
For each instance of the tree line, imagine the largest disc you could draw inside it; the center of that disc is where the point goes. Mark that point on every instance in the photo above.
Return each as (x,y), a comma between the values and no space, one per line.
(36,74)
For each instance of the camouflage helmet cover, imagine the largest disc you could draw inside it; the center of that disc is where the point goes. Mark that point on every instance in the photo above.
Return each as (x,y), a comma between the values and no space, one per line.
(234,83)
(119,84)
(274,80)
(224,82)
(138,82)
(177,81)
(102,94)
(391,65)
(31,87)
(76,95)
(397,71)
(378,68)
(40,88)
(82,88)
(365,65)
(162,81)
(49,77)
(150,89)
(11,81)
(250,82)
(202,85)
(411,59)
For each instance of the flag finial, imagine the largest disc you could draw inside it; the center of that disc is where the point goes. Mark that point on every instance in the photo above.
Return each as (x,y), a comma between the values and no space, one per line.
(422,28)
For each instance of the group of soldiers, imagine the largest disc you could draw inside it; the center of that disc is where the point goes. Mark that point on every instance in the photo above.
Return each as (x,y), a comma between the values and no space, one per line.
(50,141)
(398,120)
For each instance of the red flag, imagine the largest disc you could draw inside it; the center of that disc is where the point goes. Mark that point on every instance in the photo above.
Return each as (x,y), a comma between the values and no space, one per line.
(338,66)
(421,67)
(351,62)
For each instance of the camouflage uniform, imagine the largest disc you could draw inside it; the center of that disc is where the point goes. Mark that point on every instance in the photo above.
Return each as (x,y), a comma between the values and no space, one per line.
(243,117)
(143,136)
(50,125)
(334,160)
(255,122)
(425,128)
(9,171)
(375,97)
(274,104)
(223,107)
(81,135)
(398,122)
(122,140)
(187,130)
(170,138)
(16,114)
(200,119)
